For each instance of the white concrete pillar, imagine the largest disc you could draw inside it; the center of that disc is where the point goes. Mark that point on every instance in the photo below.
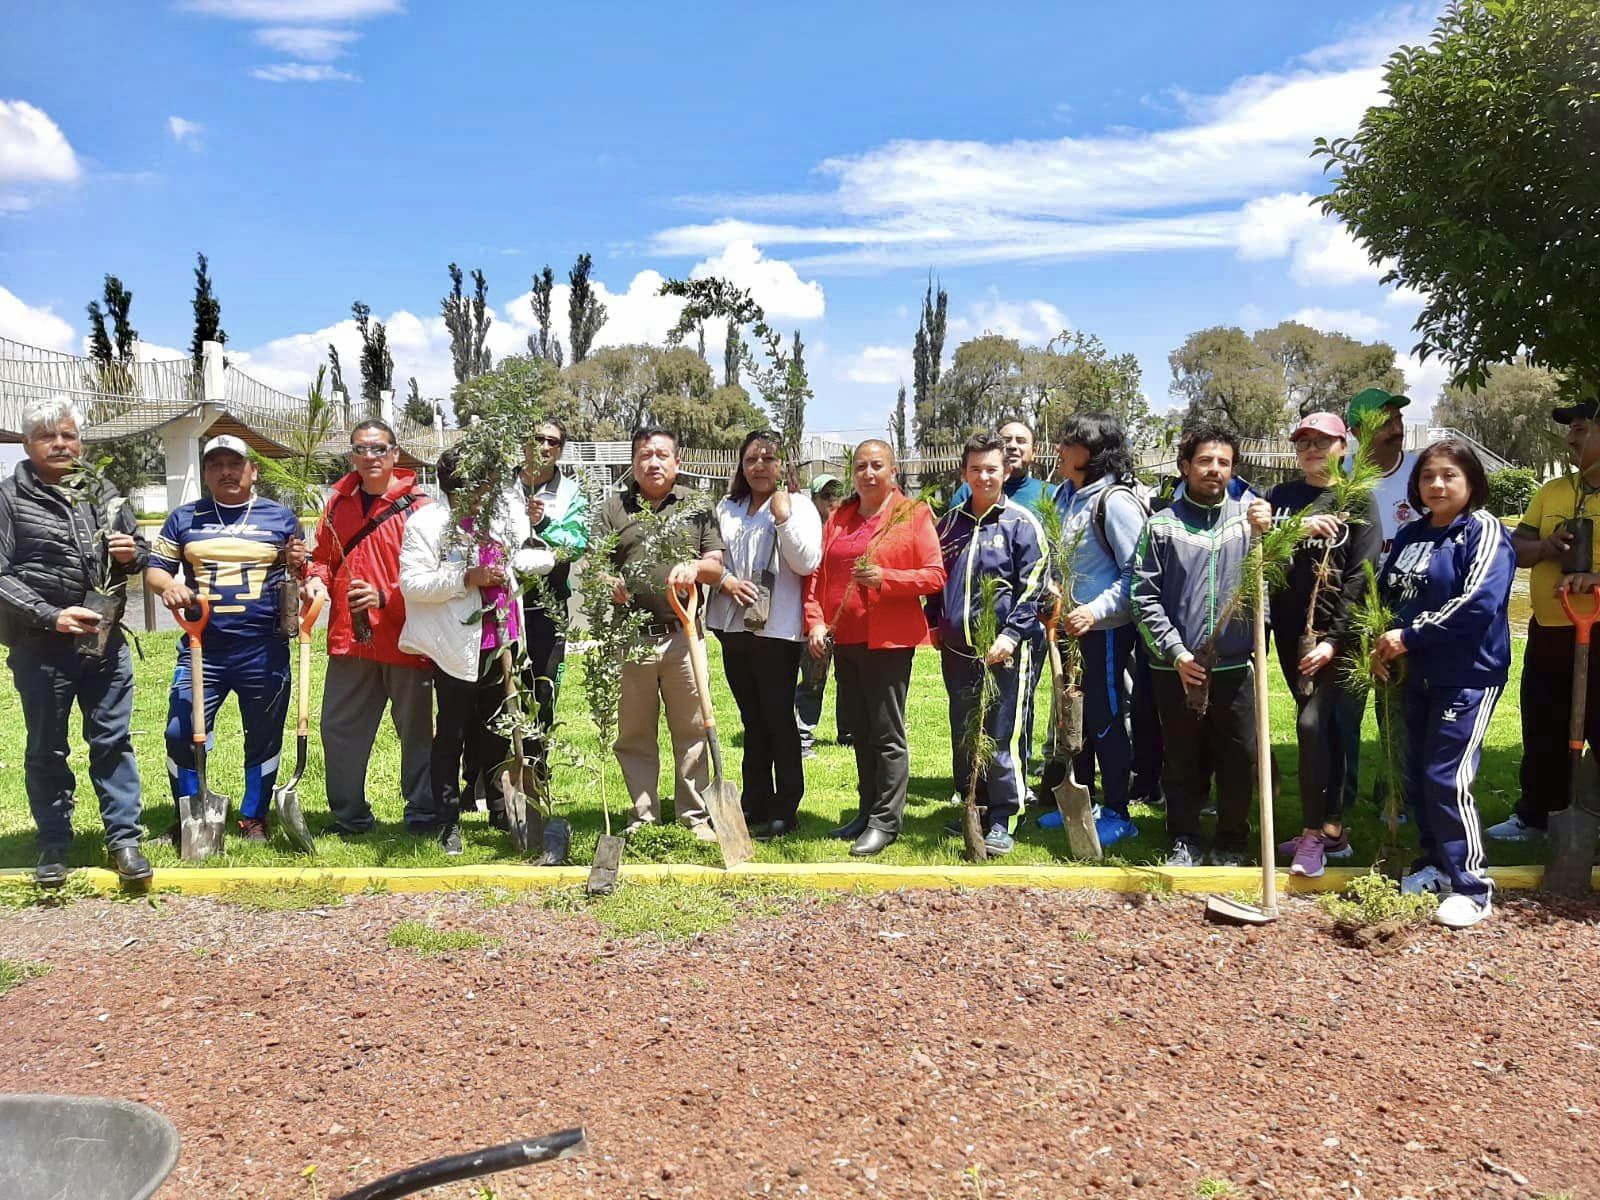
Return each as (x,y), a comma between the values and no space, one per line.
(180,442)
(386,406)
(213,376)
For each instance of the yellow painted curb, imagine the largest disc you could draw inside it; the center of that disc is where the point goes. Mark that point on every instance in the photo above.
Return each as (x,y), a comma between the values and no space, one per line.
(210,881)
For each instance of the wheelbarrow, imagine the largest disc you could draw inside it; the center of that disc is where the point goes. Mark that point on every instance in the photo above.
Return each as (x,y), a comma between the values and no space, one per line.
(94,1148)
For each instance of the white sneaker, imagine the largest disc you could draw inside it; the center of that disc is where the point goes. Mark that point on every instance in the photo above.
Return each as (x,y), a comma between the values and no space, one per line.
(1514,829)
(1460,912)
(1428,879)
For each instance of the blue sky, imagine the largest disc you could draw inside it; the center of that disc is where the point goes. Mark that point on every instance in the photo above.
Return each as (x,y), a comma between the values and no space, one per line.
(1135,170)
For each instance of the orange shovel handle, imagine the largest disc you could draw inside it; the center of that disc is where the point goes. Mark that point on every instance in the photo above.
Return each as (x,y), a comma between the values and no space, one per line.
(1583,624)
(198,626)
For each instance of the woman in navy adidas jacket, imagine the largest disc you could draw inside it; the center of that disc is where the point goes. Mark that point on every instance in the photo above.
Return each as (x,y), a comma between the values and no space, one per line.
(1448,580)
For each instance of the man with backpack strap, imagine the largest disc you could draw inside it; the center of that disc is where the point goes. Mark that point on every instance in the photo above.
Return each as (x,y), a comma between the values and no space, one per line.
(356,563)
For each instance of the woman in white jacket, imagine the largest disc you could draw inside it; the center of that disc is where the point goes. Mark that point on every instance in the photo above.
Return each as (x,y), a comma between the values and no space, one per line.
(771,544)
(450,580)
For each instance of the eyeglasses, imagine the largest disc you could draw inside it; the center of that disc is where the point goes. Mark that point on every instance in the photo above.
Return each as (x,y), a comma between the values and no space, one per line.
(1319,442)
(367,450)
(545,440)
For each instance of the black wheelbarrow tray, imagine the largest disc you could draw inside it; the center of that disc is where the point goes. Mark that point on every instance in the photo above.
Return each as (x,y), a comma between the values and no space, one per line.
(91,1148)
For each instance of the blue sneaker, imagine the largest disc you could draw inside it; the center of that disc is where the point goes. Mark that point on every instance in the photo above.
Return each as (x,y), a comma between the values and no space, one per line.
(997,841)
(1051,819)
(1111,827)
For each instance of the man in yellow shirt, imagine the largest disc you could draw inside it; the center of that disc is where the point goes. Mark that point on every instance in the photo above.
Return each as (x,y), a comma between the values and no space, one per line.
(1542,540)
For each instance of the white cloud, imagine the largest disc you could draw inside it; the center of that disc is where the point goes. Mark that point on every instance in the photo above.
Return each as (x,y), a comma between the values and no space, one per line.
(296,11)
(303,42)
(1349,321)
(32,147)
(1187,186)
(1424,379)
(32,326)
(888,365)
(303,73)
(185,132)
(774,284)
(1031,322)
(1406,296)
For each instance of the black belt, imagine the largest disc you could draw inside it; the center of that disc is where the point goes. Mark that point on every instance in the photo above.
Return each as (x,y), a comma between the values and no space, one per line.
(660,629)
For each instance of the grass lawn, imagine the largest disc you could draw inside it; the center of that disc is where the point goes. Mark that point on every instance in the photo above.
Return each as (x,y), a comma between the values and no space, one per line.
(830,787)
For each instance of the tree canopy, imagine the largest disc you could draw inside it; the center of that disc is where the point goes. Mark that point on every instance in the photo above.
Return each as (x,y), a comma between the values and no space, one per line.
(1478,183)
(1509,413)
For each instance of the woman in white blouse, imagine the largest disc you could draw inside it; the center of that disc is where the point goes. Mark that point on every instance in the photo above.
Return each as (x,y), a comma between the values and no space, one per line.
(772,542)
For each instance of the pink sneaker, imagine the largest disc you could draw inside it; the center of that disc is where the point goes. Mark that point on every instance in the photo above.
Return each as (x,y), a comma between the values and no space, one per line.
(1308,859)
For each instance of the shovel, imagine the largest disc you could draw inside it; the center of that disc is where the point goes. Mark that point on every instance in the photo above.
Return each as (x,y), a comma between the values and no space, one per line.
(722,798)
(512,775)
(1072,797)
(1237,912)
(286,796)
(1574,829)
(202,817)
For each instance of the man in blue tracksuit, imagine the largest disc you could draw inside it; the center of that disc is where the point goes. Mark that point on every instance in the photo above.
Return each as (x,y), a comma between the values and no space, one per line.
(989,537)
(1190,563)
(1448,580)
(232,547)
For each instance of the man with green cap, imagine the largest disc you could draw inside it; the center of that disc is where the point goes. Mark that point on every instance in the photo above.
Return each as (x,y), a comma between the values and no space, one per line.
(1373,416)
(1543,539)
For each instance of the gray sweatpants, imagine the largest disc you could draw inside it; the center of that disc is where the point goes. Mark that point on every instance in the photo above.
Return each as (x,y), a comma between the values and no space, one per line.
(354,694)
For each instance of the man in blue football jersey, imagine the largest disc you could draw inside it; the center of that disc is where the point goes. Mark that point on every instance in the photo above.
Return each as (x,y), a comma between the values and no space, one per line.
(233,548)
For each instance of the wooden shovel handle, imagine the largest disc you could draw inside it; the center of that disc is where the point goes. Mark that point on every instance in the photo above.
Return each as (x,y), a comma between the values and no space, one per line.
(697,661)
(303,683)
(1269,867)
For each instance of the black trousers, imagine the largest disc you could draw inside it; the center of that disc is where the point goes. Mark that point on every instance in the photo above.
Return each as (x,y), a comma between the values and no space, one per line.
(761,674)
(1222,744)
(1546,711)
(873,685)
(464,742)
(1322,756)
(546,646)
(1145,718)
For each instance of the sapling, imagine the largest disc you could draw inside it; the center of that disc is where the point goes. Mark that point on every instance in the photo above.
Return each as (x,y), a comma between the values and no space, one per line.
(1063,554)
(979,743)
(1370,618)
(298,481)
(901,514)
(87,483)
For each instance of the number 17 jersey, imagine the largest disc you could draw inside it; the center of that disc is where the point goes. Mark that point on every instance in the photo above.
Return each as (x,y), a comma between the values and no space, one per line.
(231,554)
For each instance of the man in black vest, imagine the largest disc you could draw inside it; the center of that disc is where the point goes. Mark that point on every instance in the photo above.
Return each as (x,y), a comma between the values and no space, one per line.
(59,544)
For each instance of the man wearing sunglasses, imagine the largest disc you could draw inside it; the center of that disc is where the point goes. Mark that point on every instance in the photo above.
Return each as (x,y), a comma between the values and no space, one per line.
(356,564)
(559,532)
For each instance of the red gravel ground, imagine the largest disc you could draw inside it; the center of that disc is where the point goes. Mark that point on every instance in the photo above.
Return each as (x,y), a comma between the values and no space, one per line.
(996,1044)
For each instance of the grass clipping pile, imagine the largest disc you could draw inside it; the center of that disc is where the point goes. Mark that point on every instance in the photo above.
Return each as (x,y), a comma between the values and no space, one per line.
(1375,914)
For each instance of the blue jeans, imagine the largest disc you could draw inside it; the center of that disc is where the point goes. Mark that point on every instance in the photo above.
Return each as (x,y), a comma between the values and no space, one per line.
(50,675)
(257,671)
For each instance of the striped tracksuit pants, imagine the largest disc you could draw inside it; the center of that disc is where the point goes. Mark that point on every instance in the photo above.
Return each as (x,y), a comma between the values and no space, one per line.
(1000,784)
(1445,729)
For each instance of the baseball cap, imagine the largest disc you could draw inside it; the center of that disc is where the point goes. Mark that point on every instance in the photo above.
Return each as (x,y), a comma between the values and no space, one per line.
(1321,422)
(225,441)
(1364,404)
(1582,408)
(821,482)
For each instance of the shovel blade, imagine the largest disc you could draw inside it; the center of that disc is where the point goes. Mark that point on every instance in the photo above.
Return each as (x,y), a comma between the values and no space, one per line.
(286,804)
(1573,832)
(516,812)
(607,862)
(727,822)
(554,841)
(202,824)
(1077,818)
(1235,912)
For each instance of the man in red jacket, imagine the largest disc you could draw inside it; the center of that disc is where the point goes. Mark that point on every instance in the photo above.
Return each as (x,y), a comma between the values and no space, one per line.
(356,563)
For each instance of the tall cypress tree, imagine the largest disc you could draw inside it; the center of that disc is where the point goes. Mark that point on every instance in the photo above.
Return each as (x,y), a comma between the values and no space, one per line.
(900,423)
(926,352)
(468,322)
(732,355)
(585,312)
(207,312)
(544,344)
(377,364)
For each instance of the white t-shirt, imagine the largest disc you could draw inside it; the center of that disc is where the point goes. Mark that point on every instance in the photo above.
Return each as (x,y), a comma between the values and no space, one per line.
(1394,508)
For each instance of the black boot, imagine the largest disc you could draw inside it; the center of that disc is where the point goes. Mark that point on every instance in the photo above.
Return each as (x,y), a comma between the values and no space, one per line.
(873,841)
(52,869)
(851,831)
(130,864)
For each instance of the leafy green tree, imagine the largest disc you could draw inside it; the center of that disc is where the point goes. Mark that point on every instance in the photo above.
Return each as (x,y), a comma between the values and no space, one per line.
(718,421)
(544,344)
(377,364)
(1322,370)
(517,384)
(417,410)
(1509,413)
(927,355)
(1224,375)
(298,478)
(104,348)
(468,323)
(984,385)
(585,312)
(1076,373)
(207,312)
(1477,182)
(125,461)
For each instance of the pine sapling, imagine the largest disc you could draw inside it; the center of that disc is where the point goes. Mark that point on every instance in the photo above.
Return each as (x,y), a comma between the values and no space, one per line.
(1370,618)
(979,743)
(902,513)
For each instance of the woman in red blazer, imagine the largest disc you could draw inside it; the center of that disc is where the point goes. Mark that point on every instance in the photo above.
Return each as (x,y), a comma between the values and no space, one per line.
(880,556)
